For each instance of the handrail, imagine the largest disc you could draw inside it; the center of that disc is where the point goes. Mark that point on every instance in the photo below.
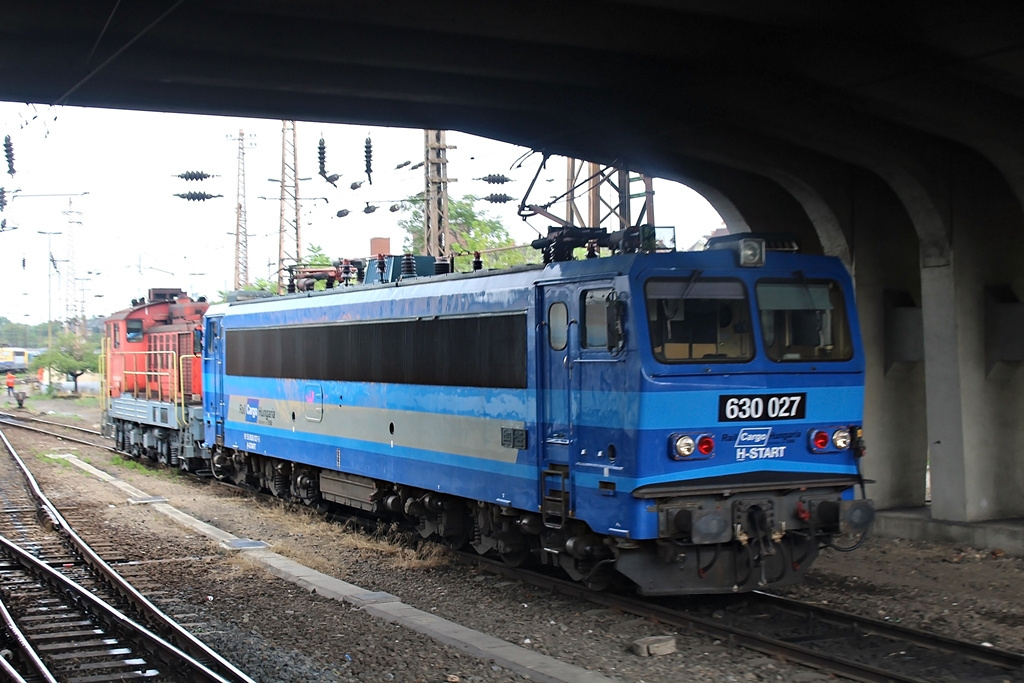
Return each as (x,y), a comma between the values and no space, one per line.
(148,372)
(181,394)
(104,380)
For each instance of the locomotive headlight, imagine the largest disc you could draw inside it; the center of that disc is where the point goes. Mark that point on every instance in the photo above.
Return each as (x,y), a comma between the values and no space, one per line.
(751,252)
(841,439)
(685,447)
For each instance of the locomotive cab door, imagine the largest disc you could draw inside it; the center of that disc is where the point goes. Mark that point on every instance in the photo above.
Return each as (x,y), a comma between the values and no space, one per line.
(213,369)
(558,344)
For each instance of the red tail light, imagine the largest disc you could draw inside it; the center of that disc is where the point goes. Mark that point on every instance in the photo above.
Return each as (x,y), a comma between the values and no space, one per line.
(705,445)
(820,440)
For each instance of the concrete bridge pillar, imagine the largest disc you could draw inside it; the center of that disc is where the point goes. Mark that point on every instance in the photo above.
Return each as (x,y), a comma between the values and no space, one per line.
(888,303)
(973,330)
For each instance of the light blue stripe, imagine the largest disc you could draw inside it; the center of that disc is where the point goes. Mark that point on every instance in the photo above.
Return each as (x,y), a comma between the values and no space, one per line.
(590,480)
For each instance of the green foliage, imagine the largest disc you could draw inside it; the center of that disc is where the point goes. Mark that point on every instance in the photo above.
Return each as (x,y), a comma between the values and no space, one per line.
(261,284)
(70,355)
(317,259)
(471,231)
(25,336)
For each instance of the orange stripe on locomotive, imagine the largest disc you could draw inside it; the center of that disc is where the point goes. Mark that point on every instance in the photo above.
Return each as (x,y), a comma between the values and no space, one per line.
(149,348)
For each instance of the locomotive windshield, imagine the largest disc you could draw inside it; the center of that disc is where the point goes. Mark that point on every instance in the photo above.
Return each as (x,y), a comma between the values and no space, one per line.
(804,321)
(699,320)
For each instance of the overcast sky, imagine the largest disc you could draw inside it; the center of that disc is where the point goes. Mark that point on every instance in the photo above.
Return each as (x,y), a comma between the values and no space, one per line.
(106,181)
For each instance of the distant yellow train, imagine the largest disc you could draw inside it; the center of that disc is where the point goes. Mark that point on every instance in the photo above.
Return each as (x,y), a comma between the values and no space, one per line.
(13,359)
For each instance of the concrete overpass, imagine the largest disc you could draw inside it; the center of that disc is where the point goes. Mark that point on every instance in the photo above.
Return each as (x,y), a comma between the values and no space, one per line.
(887,134)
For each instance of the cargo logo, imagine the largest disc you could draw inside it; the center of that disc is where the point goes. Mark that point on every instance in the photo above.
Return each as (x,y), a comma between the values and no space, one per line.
(252,410)
(752,444)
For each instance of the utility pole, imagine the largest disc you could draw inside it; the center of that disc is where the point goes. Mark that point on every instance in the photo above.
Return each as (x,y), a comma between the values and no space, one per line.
(70,296)
(289,200)
(49,286)
(83,332)
(436,231)
(241,231)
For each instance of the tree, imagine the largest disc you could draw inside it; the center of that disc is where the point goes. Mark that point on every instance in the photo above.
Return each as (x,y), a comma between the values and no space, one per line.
(470,231)
(317,259)
(18,334)
(70,355)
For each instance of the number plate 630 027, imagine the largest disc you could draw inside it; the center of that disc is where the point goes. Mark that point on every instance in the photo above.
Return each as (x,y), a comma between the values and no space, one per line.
(760,407)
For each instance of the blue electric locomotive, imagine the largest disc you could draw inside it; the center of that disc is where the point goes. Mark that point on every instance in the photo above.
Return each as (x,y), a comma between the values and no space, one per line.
(689,421)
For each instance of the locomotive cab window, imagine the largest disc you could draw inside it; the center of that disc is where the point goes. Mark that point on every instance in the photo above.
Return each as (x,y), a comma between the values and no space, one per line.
(698,320)
(117,335)
(594,303)
(133,330)
(804,321)
(558,325)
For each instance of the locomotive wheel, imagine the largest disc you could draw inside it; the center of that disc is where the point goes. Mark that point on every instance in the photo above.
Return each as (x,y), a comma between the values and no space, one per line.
(516,558)
(584,572)
(456,542)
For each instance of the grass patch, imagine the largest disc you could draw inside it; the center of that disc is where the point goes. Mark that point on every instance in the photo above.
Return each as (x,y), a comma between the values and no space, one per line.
(308,539)
(70,401)
(59,462)
(153,470)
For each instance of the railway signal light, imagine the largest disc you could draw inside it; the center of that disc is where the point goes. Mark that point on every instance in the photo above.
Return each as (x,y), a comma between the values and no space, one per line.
(9,153)
(368,153)
(194,175)
(322,154)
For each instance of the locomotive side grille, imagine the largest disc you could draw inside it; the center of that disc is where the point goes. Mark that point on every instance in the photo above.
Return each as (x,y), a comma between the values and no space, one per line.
(482,351)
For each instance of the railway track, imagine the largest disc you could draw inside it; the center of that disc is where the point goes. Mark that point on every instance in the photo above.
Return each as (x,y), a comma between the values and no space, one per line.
(68,615)
(853,647)
(847,645)
(59,430)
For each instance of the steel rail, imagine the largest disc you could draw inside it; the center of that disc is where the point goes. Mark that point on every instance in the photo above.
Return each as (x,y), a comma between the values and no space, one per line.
(9,423)
(736,636)
(29,655)
(40,420)
(165,650)
(188,642)
(869,626)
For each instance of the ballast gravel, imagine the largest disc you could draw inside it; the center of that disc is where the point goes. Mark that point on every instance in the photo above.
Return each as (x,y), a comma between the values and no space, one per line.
(276,631)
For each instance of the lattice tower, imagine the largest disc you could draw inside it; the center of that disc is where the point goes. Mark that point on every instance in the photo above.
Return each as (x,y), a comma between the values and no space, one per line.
(70,295)
(606,196)
(241,231)
(291,225)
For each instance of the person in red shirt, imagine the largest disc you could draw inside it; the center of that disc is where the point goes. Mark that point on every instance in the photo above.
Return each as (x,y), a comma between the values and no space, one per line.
(10,384)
